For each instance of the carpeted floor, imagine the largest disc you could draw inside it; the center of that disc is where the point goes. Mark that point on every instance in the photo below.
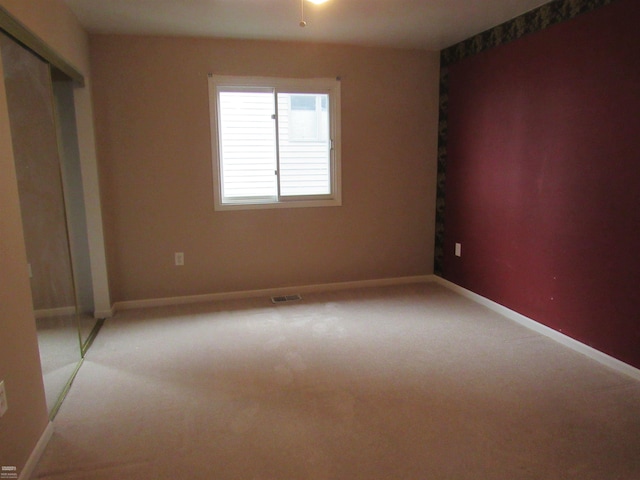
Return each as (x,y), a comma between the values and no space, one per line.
(410,382)
(59,354)
(59,345)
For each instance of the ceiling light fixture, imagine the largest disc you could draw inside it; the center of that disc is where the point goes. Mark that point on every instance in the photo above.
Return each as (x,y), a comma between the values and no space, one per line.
(303,23)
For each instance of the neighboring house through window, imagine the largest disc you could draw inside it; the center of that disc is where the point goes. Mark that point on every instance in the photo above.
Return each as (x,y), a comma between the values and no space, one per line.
(275,141)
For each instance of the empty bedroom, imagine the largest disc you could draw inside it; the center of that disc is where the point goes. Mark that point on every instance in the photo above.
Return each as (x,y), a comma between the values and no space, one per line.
(302,239)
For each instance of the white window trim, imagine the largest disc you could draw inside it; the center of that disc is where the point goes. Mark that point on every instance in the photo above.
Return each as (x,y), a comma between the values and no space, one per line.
(291,85)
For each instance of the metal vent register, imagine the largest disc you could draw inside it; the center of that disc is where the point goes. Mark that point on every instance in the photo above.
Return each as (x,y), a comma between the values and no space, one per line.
(286,298)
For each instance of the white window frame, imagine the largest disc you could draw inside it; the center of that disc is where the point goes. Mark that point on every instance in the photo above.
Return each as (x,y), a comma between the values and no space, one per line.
(286,85)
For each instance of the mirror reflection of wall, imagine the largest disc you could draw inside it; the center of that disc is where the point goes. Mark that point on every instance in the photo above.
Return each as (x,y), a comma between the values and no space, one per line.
(76,214)
(38,139)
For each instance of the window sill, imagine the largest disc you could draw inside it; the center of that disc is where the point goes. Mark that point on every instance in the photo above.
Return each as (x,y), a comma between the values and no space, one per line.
(271,205)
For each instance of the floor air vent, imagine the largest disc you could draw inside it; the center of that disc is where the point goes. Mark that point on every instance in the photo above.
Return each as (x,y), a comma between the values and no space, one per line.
(286,298)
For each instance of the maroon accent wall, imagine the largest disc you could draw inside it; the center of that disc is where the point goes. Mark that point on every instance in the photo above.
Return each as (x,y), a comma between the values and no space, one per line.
(543,177)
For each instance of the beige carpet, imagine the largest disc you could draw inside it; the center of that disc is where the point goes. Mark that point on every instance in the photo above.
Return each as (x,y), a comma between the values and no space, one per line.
(411,382)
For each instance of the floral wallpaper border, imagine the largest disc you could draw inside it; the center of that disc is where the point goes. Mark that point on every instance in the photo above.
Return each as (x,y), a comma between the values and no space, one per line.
(542,17)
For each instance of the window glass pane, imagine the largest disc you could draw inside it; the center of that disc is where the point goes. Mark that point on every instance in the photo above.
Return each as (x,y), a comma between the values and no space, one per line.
(303,102)
(304,145)
(247,144)
(302,116)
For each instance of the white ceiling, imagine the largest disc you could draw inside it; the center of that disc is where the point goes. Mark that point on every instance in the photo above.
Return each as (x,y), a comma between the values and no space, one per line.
(426,24)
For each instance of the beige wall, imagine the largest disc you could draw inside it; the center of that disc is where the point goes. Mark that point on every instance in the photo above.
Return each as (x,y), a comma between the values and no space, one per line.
(152,128)
(26,418)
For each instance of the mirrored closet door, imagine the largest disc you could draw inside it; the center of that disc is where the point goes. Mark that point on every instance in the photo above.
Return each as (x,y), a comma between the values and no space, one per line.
(50,189)
(76,216)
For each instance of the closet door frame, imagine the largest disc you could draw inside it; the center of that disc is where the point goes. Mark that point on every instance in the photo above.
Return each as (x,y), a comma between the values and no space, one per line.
(21,34)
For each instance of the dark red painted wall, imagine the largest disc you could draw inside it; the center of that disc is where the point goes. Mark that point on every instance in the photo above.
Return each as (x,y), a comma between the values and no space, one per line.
(543,177)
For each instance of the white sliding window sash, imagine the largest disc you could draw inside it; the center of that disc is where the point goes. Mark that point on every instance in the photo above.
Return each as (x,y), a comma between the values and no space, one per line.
(248,149)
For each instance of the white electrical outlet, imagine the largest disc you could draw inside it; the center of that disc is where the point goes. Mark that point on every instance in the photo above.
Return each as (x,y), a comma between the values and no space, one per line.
(458,250)
(4,406)
(179,258)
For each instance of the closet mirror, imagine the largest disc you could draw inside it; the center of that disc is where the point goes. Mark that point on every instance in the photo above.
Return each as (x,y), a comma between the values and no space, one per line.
(44,141)
(76,216)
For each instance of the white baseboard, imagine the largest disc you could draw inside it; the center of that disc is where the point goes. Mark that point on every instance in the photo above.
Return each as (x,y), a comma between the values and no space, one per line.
(37,452)
(268,292)
(559,337)
(55,312)
(71,310)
